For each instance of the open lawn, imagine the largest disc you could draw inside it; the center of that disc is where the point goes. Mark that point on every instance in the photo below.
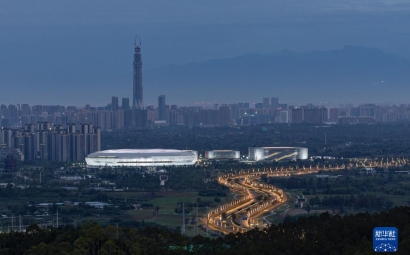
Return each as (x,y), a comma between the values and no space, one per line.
(280,212)
(167,202)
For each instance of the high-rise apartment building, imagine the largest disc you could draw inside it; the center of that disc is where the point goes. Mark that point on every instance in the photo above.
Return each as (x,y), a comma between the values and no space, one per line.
(315,115)
(284,116)
(266,103)
(54,143)
(334,114)
(125,103)
(25,110)
(114,103)
(297,115)
(274,103)
(141,117)
(161,107)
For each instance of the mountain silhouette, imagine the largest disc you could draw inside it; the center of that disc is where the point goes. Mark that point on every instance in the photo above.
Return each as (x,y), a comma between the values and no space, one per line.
(351,74)
(348,75)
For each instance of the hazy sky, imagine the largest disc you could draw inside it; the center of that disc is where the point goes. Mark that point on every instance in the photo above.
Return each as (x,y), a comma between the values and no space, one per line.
(65,51)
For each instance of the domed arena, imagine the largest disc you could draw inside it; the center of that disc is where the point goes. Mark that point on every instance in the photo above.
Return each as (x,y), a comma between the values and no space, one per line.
(141,158)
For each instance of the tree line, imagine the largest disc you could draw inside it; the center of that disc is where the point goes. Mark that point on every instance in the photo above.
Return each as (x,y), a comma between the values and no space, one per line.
(315,234)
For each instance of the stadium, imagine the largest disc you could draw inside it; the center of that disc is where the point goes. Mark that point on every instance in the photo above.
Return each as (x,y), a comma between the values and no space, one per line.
(277,153)
(141,158)
(222,154)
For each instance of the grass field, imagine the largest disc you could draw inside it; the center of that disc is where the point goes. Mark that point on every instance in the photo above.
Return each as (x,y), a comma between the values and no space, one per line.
(401,183)
(167,202)
(277,217)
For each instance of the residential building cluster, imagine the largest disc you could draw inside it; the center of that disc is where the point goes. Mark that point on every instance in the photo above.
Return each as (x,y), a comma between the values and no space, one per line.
(115,116)
(44,141)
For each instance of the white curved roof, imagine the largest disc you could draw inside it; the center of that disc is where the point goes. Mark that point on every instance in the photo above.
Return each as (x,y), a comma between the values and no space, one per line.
(120,153)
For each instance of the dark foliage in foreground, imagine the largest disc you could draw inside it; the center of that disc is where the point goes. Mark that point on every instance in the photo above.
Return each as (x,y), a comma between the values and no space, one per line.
(323,234)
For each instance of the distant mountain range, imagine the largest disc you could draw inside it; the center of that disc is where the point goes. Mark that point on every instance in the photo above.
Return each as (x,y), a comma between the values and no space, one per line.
(352,74)
(349,75)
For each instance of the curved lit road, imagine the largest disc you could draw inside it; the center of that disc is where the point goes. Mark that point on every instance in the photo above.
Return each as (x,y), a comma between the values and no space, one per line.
(256,200)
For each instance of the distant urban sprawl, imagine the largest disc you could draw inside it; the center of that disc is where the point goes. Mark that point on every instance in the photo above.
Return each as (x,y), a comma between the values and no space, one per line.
(70,133)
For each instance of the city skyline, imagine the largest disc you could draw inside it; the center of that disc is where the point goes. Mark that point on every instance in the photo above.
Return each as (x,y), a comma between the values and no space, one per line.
(171,80)
(77,49)
(267,111)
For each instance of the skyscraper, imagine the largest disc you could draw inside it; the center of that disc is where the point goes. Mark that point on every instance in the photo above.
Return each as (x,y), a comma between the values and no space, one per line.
(266,103)
(137,82)
(161,107)
(114,103)
(125,103)
(274,103)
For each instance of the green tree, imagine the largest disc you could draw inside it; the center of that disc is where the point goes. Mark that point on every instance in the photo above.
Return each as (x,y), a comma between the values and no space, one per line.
(110,248)
(41,249)
(81,246)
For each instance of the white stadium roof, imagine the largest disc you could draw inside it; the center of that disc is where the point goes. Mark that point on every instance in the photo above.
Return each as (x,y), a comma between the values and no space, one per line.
(141,157)
(138,153)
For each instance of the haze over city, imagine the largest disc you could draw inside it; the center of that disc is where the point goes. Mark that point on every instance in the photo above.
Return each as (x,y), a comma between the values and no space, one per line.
(204,127)
(63,52)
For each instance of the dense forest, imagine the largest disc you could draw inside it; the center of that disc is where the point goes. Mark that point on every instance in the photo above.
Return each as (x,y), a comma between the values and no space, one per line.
(315,234)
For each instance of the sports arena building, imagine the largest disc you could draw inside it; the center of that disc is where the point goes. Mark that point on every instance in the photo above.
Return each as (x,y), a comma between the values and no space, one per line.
(141,158)
(223,154)
(277,153)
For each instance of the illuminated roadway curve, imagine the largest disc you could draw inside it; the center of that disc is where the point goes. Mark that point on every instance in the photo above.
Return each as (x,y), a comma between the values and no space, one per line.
(256,199)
